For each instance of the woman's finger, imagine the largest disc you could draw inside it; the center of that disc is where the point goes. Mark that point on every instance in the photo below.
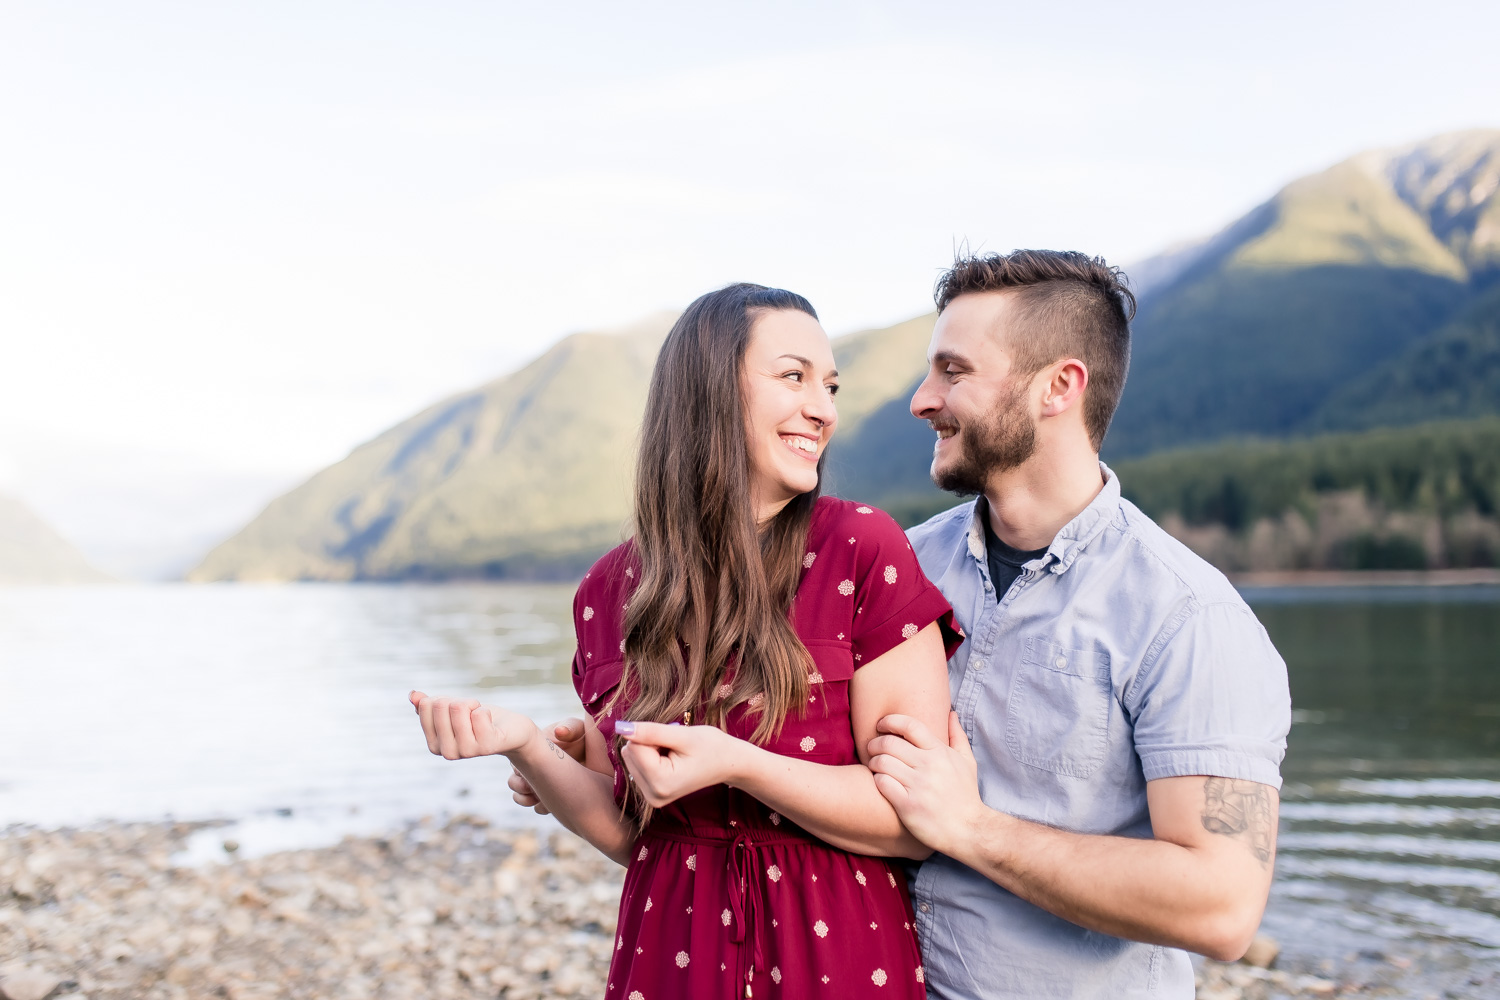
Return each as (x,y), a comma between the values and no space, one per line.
(656,734)
(461,719)
(429,730)
(442,725)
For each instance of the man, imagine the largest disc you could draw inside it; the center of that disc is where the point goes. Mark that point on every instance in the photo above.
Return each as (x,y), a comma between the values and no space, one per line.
(1107,793)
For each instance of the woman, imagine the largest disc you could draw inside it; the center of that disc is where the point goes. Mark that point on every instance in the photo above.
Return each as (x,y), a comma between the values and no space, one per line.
(734,657)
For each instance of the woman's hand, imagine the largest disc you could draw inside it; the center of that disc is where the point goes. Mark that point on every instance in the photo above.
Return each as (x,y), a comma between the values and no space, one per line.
(461,727)
(667,762)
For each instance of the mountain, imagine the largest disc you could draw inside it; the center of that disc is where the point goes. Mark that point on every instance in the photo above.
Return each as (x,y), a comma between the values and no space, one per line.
(31,552)
(528,475)
(1338,274)
(1358,297)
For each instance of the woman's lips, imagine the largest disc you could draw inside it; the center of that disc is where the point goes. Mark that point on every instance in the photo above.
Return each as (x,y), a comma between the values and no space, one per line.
(801,446)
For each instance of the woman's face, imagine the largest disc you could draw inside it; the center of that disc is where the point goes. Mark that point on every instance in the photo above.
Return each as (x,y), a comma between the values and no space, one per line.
(789,384)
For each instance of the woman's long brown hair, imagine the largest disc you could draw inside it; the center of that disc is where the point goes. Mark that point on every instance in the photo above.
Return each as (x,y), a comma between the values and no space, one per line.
(713,584)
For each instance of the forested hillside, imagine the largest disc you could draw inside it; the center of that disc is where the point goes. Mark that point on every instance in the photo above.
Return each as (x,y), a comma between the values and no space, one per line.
(1361,297)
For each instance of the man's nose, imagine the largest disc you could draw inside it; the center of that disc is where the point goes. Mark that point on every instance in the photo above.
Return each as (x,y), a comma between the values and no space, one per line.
(926,400)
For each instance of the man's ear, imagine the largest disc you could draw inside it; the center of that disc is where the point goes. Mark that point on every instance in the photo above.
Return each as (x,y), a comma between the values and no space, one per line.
(1063,389)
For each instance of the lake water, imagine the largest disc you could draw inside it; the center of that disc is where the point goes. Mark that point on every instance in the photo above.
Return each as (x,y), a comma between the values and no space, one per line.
(284,710)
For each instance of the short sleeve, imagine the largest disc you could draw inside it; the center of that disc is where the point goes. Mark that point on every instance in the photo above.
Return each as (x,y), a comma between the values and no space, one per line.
(893,599)
(1213,700)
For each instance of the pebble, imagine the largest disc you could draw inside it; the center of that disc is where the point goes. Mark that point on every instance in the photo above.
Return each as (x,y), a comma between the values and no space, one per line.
(103,914)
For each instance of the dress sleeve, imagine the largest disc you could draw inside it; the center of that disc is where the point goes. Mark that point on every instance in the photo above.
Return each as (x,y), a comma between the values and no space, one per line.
(893,599)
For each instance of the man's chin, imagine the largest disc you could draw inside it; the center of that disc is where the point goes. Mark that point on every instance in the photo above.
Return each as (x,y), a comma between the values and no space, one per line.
(954,477)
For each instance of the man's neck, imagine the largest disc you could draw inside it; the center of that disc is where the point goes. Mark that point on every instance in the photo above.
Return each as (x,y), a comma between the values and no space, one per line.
(1030,504)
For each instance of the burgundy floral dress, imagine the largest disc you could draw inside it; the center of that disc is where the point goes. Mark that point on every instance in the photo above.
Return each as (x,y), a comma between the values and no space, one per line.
(723,897)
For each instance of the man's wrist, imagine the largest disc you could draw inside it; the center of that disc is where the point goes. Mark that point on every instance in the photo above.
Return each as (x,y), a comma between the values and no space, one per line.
(973,833)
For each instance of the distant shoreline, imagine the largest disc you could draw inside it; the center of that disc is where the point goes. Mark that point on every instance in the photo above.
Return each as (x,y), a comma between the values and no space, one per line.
(1368,578)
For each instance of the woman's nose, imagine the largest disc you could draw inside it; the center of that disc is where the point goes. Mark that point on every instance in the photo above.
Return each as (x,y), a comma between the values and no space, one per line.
(821,409)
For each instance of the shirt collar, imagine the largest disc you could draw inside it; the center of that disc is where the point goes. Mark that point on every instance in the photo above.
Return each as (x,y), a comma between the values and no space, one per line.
(1074,536)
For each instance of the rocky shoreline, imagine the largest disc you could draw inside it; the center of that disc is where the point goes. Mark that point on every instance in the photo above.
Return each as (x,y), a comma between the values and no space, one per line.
(454,910)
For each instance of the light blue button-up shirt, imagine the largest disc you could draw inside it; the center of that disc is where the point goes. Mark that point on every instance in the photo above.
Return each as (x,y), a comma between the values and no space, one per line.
(1116,658)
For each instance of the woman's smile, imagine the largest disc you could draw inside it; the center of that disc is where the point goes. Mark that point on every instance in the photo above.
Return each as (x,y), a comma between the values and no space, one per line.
(804,446)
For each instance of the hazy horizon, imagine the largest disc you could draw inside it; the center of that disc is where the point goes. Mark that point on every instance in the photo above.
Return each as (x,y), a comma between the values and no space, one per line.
(239,242)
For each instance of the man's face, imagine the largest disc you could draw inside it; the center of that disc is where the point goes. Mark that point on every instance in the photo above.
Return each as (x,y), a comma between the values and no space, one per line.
(972,397)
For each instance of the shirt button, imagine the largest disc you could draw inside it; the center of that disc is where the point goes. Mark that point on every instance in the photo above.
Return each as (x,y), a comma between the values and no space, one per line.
(1062,661)
(924,907)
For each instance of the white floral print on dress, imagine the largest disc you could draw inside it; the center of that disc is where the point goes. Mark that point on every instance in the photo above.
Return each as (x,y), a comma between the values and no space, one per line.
(878,977)
(776,819)
(637,995)
(725,917)
(825,980)
(846,587)
(588,613)
(892,877)
(909,629)
(890,574)
(757,699)
(820,929)
(722,691)
(642,855)
(773,873)
(776,974)
(620,943)
(815,678)
(921,975)
(682,960)
(692,863)
(851,541)
(807,560)
(859,877)
(863,510)
(648,903)
(807,744)
(874,926)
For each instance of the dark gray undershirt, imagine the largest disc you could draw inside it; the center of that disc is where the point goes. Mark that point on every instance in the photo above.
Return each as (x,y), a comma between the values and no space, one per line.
(1005,562)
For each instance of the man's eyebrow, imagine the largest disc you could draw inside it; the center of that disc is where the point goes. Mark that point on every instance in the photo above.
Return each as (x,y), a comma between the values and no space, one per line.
(949,357)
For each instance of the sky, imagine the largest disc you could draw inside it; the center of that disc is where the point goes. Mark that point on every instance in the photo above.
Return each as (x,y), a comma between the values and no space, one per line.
(237,240)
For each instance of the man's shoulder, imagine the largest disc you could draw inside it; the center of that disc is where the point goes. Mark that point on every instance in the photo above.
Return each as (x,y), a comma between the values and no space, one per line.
(1175,570)
(944,530)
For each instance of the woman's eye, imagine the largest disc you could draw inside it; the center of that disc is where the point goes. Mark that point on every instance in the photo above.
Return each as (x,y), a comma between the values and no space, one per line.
(833,390)
(795,376)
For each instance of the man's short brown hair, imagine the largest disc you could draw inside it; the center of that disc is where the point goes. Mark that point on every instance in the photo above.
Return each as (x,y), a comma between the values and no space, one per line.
(1070,305)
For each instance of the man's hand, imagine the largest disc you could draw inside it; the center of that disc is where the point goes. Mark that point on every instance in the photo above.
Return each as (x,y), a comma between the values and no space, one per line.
(932,784)
(568,736)
(669,761)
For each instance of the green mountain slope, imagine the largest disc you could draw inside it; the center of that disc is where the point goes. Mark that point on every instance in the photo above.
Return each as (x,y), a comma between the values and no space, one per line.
(528,475)
(31,552)
(1339,273)
(1417,497)
(1452,373)
(1327,307)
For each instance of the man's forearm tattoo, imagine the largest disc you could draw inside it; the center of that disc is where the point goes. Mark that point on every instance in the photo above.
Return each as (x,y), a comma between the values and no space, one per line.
(1237,808)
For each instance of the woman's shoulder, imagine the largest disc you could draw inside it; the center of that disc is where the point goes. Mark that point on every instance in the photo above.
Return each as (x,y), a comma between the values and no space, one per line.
(615,572)
(858,521)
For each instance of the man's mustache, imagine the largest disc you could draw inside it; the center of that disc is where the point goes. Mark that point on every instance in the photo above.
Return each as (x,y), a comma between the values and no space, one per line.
(938,426)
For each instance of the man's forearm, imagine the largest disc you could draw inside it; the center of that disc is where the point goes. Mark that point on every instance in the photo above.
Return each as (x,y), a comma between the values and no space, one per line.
(1144,890)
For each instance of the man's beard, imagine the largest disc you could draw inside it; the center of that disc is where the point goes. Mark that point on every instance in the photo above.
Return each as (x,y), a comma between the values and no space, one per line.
(1004,441)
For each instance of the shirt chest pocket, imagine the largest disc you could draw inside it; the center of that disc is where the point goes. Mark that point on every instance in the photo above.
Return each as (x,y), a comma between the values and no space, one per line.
(1058,712)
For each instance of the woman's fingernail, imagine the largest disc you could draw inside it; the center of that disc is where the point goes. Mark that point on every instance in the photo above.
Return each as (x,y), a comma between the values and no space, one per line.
(623,728)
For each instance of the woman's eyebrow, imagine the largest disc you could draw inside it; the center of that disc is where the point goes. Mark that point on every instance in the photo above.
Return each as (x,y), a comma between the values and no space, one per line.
(796,357)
